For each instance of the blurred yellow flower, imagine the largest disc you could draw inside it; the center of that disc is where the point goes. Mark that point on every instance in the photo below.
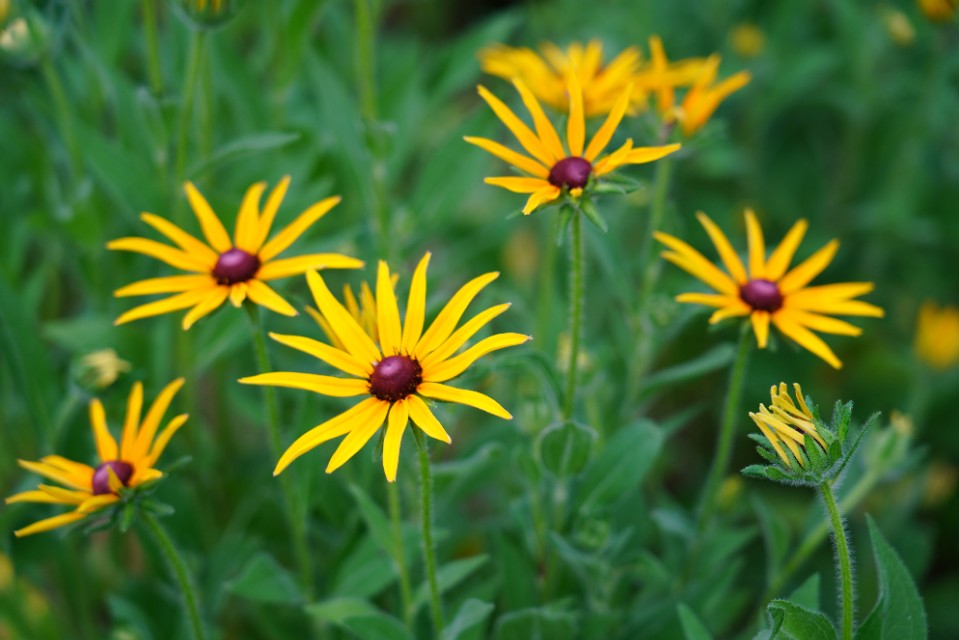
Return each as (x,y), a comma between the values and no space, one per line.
(100,369)
(767,292)
(395,368)
(129,464)
(4,9)
(556,169)
(937,335)
(898,27)
(747,40)
(938,10)
(786,421)
(701,99)
(223,269)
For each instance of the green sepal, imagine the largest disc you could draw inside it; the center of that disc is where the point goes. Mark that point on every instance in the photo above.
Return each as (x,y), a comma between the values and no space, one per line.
(589,210)
(566,213)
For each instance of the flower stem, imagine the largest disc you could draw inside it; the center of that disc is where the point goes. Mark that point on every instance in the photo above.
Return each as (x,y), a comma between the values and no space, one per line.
(153,51)
(575,311)
(297,526)
(651,266)
(179,570)
(845,563)
(727,429)
(429,549)
(399,553)
(64,117)
(197,42)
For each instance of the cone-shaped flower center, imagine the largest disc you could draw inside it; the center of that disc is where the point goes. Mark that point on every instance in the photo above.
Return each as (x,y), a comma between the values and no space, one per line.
(571,172)
(235,265)
(395,377)
(761,295)
(101,477)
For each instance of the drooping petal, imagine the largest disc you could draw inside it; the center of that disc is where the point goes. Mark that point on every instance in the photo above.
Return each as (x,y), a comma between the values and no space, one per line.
(325,385)
(544,128)
(825,324)
(468,397)
(168,284)
(187,242)
(523,134)
(338,358)
(387,313)
(544,195)
(732,311)
(445,322)
(165,253)
(354,338)
(301,264)
(443,371)
(517,184)
(783,254)
(65,496)
(261,293)
(415,306)
(642,155)
(238,292)
(800,276)
(212,227)
(506,154)
(205,307)
(725,249)
(82,474)
(55,473)
(709,299)
(96,503)
(425,420)
(281,241)
(805,338)
(50,523)
(247,221)
(397,420)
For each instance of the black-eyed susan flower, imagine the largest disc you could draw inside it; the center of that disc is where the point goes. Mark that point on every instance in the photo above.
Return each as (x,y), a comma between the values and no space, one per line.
(937,336)
(222,268)
(786,423)
(767,292)
(701,99)
(394,369)
(127,465)
(555,169)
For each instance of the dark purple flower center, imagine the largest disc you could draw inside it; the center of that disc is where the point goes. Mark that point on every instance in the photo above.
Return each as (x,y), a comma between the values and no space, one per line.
(235,265)
(395,377)
(101,477)
(761,295)
(570,172)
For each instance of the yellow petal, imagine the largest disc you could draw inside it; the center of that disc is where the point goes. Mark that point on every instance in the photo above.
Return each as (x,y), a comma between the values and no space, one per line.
(835,307)
(801,275)
(544,195)
(357,437)
(165,253)
(332,428)
(415,306)
(396,425)
(81,473)
(301,264)
(325,385)
(295,229)
(533,145)
(833,292)
(445,322)
(169,284)
(506,154)
(106,445)
(464,333)
(822,323)
(66,496)
(425,420)
(642,155)
(732,311)
(173,303)
(757,246)
(453,367)
(164,439)
(614,160)
(212,227)
(468,397)
(544,128)
(693,262)
(783,255)
(605,133)
(187,242)
(57,474)
(268,214)
(576,124)
(773,439)
(519,185)
(101,501)
(212,302)
(238,294)
(261,293)
(40,497)
(132,422)
(154,415)
(805,338)
(247,221)
(709,299)
(726,252)
(50,523)
(387,313)
(352,335)
(330,355)
(760,320)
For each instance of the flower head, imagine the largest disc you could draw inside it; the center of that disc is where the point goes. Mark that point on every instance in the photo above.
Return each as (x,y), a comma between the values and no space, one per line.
(938,10)
(747,39)
(224,269)
(556,169)
(701,99)
(767,292)
(100,369)
(129,465)
(937,336)
(394,368)
(786,422)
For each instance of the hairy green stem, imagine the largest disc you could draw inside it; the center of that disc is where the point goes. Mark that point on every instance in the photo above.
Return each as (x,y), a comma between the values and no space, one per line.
(297,526)
(842,556)
(575,311)
(727,430)
(178,567)
(545,286)
(399,552)
(154,71)
(429,548)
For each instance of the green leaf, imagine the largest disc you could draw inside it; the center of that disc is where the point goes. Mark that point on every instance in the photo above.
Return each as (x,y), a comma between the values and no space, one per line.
(716,358)
(262,579)
(621,466)
(449,576)
(376,521)
(257,143)
(339,610)
(360,617)
(536,624)
(900,610)
(473,613)
(807,594)
(793,622)
(693,628)
(564,448)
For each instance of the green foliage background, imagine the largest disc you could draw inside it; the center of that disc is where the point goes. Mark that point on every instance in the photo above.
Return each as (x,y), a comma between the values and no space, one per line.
(841,125)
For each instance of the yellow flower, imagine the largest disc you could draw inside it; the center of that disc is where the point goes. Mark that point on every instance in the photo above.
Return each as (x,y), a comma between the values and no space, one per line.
(767,292)
(898,27)
(937,336)
(221,268)
(747,40)
(101,368)
(938,10)
(395,368)
(131,464)
(703,97)
(553,167)
(786,422)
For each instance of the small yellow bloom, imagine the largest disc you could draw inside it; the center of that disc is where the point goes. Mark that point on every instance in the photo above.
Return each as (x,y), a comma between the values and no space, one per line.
(939,10)
(747,40)
(129,464)
(4,10)
(786,421)
(898,27)
(703,97)
(395,367)
(224,269)
(768,293)
(937,336)
(101,368)
(552,166)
